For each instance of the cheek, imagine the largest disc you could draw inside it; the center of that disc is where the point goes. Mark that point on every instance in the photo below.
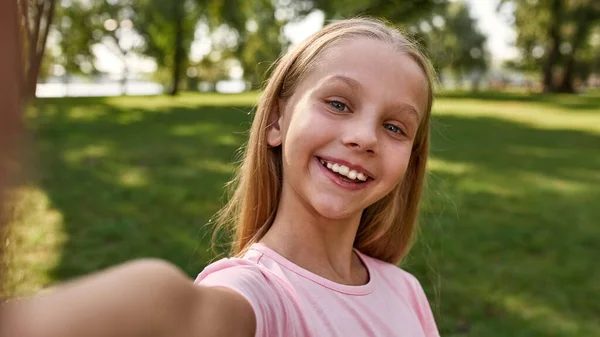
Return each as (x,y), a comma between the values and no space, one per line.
(305,128)
(397,164)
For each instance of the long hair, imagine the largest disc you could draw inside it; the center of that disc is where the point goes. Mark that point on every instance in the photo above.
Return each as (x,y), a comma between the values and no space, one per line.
(386,227)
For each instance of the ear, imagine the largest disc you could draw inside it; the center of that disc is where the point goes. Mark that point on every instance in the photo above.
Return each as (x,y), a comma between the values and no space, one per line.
(274,135)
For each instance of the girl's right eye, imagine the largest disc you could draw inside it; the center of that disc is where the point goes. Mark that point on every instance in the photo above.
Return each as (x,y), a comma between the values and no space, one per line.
(338,105)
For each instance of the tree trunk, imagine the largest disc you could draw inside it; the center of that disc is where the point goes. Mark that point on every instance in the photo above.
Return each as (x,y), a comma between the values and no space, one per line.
(476,83)
(178,56)
(124,78)
(37,35)
(66,83)
(582,30)
(553,50)
(566,85)
(458,80)
(10,116)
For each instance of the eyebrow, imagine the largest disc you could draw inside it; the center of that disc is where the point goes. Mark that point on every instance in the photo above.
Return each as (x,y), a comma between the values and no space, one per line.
(350,82)
(356,86)
(410,109)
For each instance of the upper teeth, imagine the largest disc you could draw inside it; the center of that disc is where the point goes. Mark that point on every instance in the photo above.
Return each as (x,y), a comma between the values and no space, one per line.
(344,170)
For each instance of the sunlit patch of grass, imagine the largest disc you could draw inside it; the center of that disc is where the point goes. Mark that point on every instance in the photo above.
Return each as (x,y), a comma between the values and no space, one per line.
(89,152)
(555,322)
(134,177)
(539,115)
(185,100)
(85,114)
(192,129)
(36,240)
(547,183)
(436,165)
(216,166)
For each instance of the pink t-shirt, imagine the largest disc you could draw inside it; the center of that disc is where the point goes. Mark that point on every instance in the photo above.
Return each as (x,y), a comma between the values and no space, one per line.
(290,301)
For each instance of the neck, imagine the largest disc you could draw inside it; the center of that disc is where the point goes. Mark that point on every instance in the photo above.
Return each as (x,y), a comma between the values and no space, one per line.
(321,245)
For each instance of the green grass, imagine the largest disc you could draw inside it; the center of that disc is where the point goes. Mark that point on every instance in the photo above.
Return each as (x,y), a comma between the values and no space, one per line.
(510,233)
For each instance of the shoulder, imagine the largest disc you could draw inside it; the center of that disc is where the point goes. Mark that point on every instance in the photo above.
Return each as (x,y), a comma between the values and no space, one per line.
(216,308)
(268,296)
(240,274)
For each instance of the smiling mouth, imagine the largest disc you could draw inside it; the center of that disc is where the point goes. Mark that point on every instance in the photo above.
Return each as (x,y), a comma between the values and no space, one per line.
(344,173)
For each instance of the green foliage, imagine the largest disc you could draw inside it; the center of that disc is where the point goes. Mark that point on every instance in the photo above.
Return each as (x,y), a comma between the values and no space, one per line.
(259,24)
(259,28)
(82,24)
(158,23)
(168,30)
(557,34)
(455,43)
(75,32)
(396,11)
(260,45)
(208,71)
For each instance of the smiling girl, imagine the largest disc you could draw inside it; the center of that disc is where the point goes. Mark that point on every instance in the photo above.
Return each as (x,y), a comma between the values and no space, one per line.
(324,208)
(328,192)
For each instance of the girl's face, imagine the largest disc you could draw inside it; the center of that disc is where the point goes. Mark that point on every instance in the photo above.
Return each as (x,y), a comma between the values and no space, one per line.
(357,113)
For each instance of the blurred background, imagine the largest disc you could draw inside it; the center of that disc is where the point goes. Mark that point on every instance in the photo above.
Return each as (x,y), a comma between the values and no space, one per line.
(137,109)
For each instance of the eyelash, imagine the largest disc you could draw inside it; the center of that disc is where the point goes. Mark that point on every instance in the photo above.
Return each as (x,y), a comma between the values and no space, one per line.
(398,129)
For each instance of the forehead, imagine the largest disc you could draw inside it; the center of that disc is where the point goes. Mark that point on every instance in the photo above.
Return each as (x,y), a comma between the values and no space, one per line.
(377,68)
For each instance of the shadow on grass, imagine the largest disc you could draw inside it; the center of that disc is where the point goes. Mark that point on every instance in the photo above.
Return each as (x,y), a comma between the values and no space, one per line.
(132,183)
(509,221)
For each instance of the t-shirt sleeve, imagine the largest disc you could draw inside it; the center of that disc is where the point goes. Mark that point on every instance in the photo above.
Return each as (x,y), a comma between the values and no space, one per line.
(423,309)
(264,294)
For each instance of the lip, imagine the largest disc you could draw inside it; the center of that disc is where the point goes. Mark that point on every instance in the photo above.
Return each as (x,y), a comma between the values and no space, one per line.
(349,165)
(338,181)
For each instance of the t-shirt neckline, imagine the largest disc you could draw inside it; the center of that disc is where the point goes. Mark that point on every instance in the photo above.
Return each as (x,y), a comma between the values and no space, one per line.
(339,287)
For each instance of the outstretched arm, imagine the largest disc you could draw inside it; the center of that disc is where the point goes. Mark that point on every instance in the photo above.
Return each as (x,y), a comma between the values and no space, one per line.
(142,298)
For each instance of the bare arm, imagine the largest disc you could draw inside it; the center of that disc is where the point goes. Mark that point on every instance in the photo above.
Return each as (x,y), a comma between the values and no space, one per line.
(142,298)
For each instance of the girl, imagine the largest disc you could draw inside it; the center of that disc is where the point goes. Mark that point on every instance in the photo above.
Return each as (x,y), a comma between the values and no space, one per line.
(327,195)
(324,207)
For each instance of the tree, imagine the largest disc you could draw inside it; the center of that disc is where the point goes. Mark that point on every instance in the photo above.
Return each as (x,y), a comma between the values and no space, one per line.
(396,11)
(259,28)
(75,30)
(83,24)
(260,37)
(554,37)
(115,30)
(455,43)
(260,23)
(584,18)
(167,28)
(35,18)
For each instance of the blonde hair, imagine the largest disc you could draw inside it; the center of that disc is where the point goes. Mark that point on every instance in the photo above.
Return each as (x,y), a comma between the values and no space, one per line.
(387,227)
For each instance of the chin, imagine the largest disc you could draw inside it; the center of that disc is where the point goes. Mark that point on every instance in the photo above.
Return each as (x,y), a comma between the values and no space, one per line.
(335,210)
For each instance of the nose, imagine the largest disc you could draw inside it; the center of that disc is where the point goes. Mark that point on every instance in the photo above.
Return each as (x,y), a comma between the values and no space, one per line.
(361,136)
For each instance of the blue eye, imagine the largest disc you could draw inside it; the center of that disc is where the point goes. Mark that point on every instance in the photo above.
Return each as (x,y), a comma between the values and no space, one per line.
(338,105)
(393,128)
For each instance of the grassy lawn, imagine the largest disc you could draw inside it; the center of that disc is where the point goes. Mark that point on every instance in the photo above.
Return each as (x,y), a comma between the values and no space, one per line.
(510,224)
